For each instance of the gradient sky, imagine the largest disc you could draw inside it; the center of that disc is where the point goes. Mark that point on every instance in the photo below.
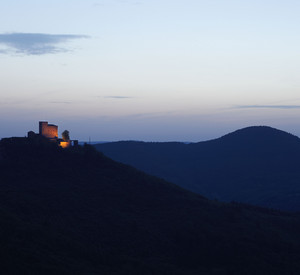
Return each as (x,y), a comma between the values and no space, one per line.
(184,70)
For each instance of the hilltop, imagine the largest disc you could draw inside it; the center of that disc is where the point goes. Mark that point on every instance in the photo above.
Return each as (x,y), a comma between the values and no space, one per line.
(257,165)
(75,211)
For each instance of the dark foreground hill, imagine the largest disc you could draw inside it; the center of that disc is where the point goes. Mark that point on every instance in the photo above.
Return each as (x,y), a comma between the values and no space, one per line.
(256,165)
(78,212)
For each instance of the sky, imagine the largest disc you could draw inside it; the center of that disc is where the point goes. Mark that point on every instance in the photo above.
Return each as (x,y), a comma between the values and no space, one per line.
(152,70)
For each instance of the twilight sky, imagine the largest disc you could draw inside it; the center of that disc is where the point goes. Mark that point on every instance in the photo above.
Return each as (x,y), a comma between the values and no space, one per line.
(153,70)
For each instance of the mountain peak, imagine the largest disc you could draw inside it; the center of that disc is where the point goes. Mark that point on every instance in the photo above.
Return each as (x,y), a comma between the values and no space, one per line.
(260,134)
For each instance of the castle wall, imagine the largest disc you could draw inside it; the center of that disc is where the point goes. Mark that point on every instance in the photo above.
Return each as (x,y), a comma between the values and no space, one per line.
(48,130)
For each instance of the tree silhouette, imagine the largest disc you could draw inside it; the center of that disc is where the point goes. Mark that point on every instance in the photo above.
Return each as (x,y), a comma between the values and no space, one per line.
(66,135)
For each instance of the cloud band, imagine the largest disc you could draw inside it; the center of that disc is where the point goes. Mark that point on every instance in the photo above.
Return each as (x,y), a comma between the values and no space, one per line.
(267,107)
(35,43)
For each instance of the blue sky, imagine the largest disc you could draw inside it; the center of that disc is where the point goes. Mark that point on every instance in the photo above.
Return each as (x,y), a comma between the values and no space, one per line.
(149,70)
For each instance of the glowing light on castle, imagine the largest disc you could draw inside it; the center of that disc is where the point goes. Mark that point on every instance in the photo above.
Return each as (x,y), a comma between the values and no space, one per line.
(64,144)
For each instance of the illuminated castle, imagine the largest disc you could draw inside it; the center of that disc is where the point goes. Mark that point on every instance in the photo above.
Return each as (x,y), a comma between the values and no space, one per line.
(50,131)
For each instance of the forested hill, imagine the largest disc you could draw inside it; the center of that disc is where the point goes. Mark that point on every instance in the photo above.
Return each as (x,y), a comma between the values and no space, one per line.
(78,212)
(256,165)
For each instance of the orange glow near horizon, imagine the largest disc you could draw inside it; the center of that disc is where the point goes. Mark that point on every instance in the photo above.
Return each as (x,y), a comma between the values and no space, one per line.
(64,144)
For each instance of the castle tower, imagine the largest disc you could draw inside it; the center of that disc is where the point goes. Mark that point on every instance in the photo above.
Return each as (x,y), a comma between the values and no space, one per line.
(48,130)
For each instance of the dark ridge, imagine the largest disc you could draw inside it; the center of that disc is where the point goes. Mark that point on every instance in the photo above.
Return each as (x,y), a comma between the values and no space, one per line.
(260,134)
(75,211)
(256,165)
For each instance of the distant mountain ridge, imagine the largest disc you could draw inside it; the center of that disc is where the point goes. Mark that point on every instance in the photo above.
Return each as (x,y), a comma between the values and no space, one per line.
(257,165)
(261,135)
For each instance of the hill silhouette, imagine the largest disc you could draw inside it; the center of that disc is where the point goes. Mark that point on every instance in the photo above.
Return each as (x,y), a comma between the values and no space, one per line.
(75,211)
(256,165)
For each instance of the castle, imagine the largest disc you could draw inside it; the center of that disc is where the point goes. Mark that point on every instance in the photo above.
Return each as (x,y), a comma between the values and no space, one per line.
(50,131)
